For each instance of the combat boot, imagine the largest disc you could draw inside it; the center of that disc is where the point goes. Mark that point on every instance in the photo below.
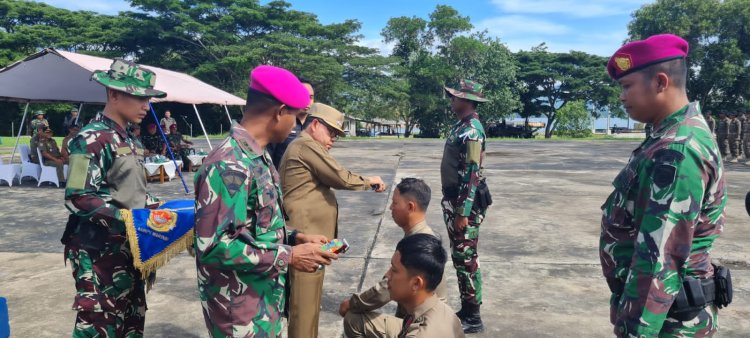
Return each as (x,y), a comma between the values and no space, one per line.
(471,321)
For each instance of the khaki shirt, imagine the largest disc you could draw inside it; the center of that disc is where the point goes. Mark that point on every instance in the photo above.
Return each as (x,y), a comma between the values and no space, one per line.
(378,295)
(433,318)
(308,172)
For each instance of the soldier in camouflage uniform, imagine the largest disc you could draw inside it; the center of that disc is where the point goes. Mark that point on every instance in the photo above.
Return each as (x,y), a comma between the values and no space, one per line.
(711,122)
(461,175)
(243,247)
(667,208)
(733,137)
(107,175)
(722,134)
(38,123)
(153,142)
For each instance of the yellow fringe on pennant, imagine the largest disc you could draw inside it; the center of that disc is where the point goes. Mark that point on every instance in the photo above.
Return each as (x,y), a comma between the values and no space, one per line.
(160,259)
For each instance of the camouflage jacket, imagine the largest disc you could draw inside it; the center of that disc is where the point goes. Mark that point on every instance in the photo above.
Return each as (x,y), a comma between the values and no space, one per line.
(460,170)
(153,143)
(106,175)
(36,124)
(661,220)
(735,128)
(240,237)
(33,145)
(722,128)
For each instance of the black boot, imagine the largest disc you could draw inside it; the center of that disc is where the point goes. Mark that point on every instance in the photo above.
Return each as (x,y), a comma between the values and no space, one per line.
(471,321)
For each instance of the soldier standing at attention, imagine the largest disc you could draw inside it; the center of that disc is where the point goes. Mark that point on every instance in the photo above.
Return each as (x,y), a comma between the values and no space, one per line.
(38,123)
(309,173)
(463,209)
(722,134)
(733,136)
(243,249)
(667,208)
(106,175)
(711,122)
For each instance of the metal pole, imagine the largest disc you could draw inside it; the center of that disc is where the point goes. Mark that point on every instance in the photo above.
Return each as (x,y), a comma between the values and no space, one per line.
(228,116)
(20,128)
(80,111)
(203,127)
(169,148)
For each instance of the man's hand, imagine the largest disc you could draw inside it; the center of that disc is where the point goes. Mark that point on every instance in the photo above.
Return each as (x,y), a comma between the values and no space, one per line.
(460,223)
(344,308)
(306,238)
(377,183)
(306,257)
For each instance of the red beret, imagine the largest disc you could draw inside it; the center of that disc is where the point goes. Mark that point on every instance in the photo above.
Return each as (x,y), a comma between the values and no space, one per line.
(637,55)
(281,84)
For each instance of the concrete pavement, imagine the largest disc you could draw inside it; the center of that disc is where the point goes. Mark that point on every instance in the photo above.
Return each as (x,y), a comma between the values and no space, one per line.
(538,245)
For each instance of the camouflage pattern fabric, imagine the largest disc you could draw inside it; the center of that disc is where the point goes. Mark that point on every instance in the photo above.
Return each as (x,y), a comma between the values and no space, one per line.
(106,166)
(735,130)
(722,133)
(659,225)
(153,143)
(241,280)
(128,77)
(462,161)
(33,145)
(36,124)
(711,124)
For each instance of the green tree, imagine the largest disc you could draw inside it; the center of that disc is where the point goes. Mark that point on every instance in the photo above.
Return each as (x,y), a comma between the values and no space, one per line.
(551,80)
(573,120)
(719,36)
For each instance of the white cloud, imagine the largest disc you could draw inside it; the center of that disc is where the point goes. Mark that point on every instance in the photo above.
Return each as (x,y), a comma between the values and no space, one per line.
(576,8)
(602,44)
(377,43)
(512,25)
(99,6)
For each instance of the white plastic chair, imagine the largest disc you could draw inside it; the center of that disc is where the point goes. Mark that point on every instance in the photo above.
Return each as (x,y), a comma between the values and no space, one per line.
(28,168)
(9,172)
(49,174)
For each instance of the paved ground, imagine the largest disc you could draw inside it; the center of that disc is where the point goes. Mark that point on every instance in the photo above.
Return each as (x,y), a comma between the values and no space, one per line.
(538,246)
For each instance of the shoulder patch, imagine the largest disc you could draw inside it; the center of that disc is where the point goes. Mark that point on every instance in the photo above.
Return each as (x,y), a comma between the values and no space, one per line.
(664,174)
(233,180)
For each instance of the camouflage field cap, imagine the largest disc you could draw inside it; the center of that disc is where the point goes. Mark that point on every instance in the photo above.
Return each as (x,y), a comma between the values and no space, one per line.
(467,89)
(38,112)
(330,116)
(128,77)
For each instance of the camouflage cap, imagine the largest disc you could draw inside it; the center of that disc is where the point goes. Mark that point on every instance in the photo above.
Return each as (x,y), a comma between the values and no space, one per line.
(128,77)
(467,89)
(38,112)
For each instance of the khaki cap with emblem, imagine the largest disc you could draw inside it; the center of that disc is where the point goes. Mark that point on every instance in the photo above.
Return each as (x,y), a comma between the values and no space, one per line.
(330,116)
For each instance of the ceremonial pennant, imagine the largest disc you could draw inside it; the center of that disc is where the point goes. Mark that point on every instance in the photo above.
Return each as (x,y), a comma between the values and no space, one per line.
(157,235)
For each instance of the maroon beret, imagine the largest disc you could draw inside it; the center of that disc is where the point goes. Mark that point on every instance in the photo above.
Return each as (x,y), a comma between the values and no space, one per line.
(638,55)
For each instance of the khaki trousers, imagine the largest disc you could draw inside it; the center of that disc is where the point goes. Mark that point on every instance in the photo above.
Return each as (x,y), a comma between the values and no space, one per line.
(371,324)
(304,303)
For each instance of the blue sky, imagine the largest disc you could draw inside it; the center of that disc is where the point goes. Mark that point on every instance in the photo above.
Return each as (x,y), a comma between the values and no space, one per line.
(594,26)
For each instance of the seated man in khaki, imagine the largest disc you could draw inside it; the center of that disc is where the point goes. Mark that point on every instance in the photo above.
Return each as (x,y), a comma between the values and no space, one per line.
(51,153)
(416,269)
(408,209)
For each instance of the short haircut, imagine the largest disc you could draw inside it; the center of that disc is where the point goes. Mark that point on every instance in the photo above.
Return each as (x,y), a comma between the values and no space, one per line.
(258,102)
(415,190)
(423,254)
(676,70)
(304,80)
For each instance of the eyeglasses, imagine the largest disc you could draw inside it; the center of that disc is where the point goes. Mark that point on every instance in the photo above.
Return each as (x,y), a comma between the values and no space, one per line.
(333,133)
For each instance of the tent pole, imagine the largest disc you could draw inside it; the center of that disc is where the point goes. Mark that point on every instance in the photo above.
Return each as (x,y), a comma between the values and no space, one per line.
(228,116)
(80,111)
(203,127)
(20,128)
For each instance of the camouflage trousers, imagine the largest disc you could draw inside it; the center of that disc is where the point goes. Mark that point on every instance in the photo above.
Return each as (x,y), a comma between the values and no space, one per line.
(734,145)
(464,252)
(110,295)
(705,324)
(723,142)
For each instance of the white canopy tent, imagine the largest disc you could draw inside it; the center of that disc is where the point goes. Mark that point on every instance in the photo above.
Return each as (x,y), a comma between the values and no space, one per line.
(58,76)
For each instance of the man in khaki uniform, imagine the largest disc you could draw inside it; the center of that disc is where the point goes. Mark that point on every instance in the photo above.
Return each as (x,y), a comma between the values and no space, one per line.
(308,173)
(417,267)
(408,209)
(51,153)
